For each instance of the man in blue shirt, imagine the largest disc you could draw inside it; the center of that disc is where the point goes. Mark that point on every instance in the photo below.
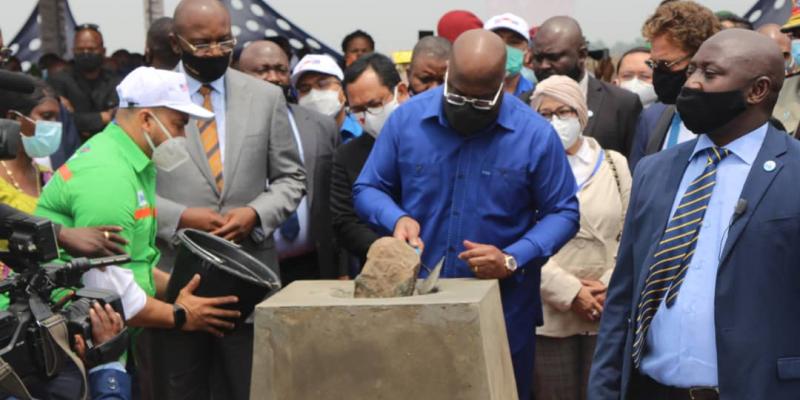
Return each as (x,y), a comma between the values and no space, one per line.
(703,300)
(318,82)
(474,175)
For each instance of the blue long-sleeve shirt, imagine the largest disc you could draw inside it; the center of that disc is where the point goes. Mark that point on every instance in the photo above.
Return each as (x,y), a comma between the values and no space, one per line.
(509,186)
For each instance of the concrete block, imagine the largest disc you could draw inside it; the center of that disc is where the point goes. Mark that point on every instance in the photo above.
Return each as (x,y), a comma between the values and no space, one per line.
(314,341)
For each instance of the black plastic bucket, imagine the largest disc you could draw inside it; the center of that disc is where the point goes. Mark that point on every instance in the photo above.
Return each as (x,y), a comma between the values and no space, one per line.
(224,268)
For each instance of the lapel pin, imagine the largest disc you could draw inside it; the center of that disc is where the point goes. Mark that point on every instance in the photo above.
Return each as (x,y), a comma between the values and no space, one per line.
(769,166)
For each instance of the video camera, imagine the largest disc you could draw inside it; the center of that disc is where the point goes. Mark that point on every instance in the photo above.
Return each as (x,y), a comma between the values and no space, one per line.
(27,339)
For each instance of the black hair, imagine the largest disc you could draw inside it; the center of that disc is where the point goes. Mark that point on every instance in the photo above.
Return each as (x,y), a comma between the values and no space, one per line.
(27,102)
(382,65)
(639,49)
(355,35)
(159,44)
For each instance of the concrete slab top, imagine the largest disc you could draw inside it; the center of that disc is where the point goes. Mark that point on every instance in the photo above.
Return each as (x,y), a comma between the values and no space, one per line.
(340,293)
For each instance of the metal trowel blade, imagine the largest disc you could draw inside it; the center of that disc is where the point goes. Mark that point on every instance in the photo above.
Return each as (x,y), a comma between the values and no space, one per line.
(430,282)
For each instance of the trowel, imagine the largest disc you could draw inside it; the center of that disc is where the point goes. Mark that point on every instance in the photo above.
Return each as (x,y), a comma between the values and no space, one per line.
(430,282)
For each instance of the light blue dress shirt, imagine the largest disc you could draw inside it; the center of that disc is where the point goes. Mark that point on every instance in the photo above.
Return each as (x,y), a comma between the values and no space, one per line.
(302,243)
(217,102)
(681,349)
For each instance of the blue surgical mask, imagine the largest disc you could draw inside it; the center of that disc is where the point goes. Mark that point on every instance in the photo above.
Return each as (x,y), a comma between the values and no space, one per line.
(796,51)
(514,58)
(45,140)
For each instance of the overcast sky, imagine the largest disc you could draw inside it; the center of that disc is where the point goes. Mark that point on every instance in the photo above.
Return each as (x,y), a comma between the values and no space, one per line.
(393,24)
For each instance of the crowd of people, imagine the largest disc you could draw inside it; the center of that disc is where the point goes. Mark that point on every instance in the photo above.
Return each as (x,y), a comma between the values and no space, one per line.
(640,217)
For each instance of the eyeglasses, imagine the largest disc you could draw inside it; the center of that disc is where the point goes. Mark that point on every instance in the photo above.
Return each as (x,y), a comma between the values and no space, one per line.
(91,27)
(478,104)
(562,113)
(373,107)
(204,48)
(665,65)
(321,84)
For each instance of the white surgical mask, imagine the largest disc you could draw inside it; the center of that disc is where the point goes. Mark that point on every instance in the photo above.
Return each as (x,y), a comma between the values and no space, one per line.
(569,130)
(645,91)
(322,101)
(171,153)
(374,118)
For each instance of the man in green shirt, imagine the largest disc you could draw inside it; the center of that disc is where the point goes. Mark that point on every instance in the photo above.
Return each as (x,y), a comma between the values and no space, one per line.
(111,181)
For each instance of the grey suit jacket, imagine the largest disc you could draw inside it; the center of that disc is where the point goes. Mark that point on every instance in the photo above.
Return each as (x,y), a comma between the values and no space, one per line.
(319,137)
(259,148)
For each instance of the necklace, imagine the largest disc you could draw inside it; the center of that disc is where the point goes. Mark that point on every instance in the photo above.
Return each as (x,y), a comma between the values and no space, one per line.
(14,181)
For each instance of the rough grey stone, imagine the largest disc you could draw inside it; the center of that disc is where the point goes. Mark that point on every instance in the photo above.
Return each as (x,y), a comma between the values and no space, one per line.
(314,340)
(390,271)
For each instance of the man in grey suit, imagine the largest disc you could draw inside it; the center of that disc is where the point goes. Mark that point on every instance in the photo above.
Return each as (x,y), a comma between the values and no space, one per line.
(305,240)
(222,191)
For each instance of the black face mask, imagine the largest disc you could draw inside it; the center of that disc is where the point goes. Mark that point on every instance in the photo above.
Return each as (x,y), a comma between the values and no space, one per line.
(205,69)
(668,84)
(88,61)
(705,112)
(466,120)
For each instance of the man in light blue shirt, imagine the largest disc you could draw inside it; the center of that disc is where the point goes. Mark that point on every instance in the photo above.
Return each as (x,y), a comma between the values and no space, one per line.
(681,344)
(703,303)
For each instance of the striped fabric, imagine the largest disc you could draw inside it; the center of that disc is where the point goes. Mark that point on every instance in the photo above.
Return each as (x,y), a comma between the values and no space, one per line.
(675,250)
(208,135)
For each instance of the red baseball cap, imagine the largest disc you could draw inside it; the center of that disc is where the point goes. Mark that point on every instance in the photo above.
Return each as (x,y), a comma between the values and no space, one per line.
(454,23)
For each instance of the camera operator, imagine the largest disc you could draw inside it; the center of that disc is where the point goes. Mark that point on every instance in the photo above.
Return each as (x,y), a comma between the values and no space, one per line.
(106,381)
(111,182)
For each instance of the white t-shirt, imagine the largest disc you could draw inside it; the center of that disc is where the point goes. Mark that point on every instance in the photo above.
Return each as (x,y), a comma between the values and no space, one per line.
(120,281)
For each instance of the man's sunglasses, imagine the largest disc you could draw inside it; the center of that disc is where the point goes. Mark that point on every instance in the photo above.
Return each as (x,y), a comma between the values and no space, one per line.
(665,65)
(91,27)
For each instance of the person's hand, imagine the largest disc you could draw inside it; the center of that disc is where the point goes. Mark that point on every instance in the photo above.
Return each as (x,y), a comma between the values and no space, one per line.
(98,241)
(586,306)
(485,260)
(203,313)
(204,219)
(106,323)
(407,229)
(239,222)
(597,289)
(344,278)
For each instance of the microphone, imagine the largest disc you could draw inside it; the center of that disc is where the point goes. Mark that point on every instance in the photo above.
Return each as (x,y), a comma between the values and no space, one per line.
(738,211)
(16,82)
(741,207)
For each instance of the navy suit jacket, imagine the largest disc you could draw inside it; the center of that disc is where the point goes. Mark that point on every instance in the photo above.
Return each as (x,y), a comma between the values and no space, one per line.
(648,125)
(757,297)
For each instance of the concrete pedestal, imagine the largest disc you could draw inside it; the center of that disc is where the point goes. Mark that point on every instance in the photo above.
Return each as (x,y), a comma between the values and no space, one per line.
(313,341)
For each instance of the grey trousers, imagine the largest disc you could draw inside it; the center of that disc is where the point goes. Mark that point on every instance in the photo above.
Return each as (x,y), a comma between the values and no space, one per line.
(562,367)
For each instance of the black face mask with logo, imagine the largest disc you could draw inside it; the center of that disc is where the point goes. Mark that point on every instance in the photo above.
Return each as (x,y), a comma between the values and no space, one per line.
(467,120)
(205,69)
(706,112)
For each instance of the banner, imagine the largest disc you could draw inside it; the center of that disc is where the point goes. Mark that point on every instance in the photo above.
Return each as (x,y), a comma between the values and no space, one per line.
(27,44)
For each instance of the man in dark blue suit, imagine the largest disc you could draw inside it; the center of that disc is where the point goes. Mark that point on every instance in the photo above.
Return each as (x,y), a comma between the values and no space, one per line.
(703,303)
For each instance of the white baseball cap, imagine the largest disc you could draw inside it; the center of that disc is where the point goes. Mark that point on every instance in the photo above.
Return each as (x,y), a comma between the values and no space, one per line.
(511,22)
(321,63)
(150,87)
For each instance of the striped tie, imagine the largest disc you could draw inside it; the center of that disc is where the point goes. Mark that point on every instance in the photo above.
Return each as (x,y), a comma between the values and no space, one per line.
(208,135)
(675,250)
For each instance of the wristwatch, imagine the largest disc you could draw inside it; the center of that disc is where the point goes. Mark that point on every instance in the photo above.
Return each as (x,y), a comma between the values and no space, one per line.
(511,263)
(179,315)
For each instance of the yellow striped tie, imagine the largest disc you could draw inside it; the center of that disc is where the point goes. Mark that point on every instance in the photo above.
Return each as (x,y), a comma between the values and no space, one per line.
(675,250)
(208,135)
